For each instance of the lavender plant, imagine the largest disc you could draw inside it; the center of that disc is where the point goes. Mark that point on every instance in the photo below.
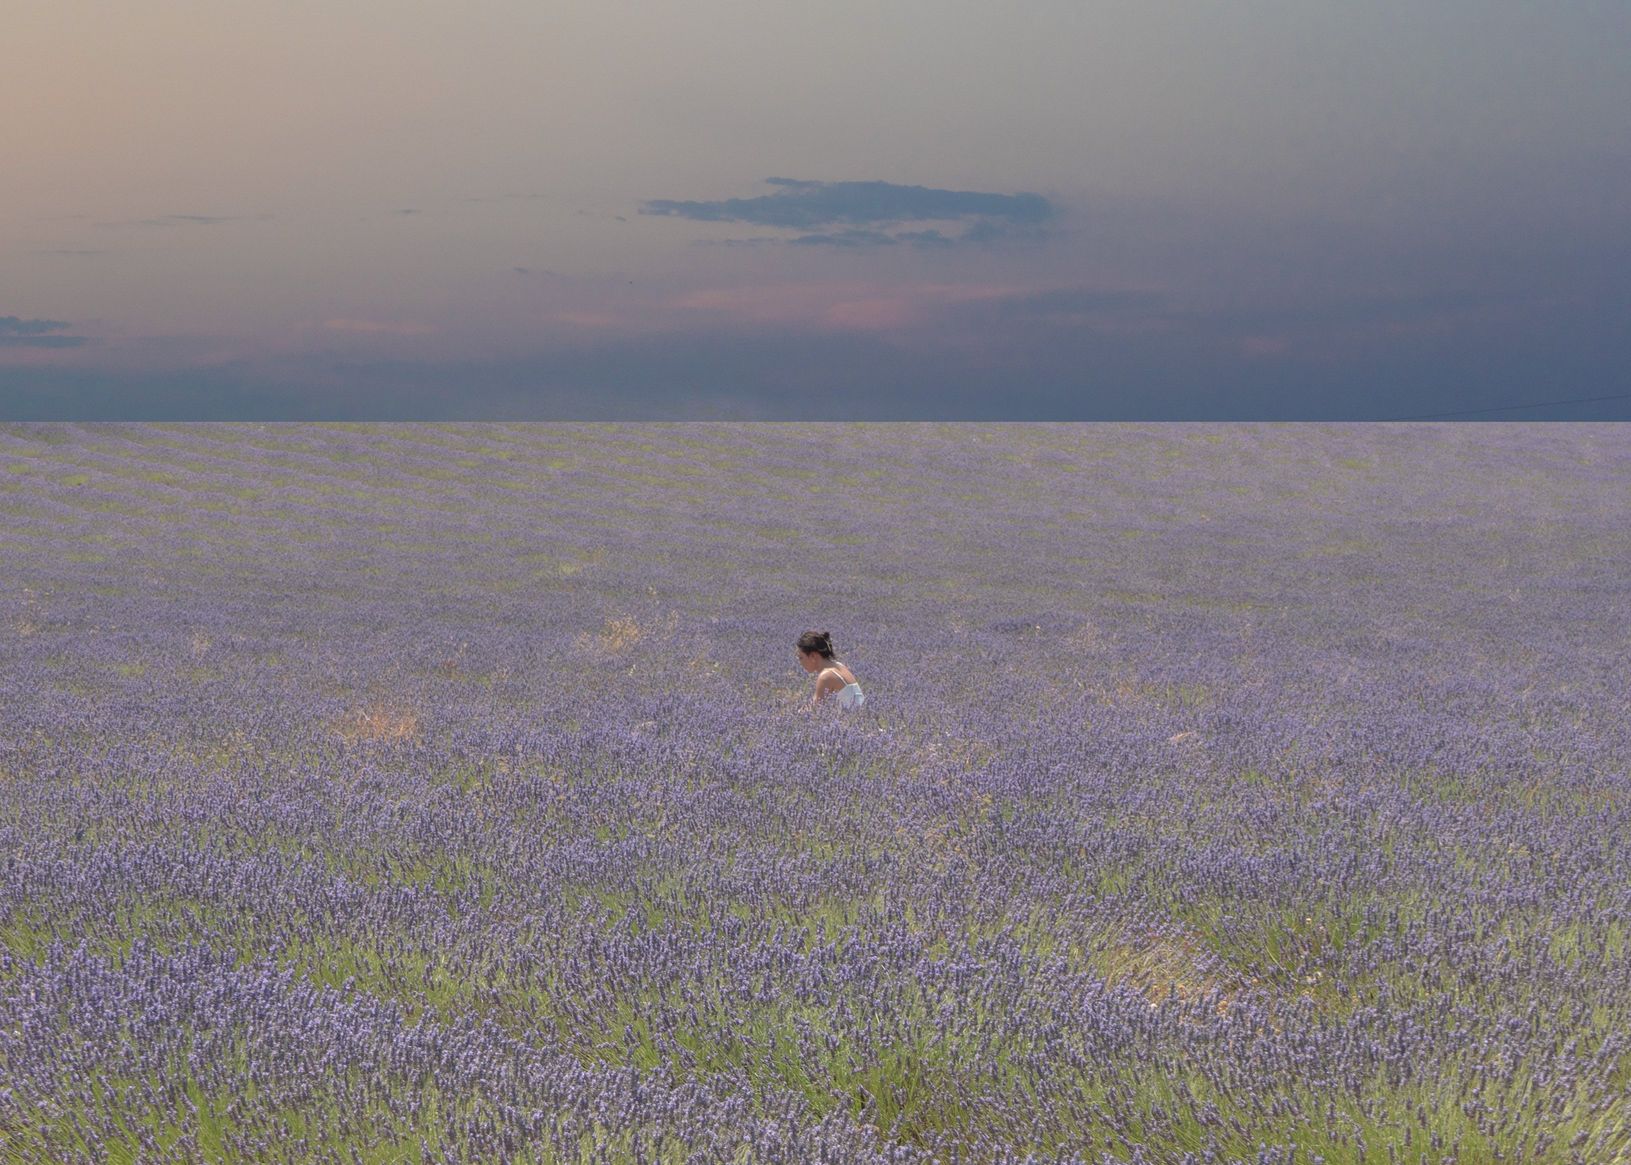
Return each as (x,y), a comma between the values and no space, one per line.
(445,793)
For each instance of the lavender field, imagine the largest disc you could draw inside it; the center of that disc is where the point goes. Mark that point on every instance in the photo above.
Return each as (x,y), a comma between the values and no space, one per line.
(447,793)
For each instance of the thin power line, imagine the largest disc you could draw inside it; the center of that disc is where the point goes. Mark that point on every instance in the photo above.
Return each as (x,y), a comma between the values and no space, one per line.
(1507,408)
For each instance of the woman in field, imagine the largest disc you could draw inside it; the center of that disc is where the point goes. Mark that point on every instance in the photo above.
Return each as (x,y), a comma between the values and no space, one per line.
(816,656)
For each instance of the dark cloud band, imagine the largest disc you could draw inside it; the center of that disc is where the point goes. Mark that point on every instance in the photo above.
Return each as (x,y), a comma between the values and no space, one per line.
(16,332)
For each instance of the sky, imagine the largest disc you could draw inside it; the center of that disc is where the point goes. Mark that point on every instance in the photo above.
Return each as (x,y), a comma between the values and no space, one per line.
(890,209)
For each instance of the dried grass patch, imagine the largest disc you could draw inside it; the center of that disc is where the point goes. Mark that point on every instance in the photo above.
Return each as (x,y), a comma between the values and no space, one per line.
(377,722)
(1087,637)
(619,635)
(1163,967)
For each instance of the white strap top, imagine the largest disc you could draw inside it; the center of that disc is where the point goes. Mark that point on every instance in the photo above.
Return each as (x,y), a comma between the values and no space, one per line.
(850,695)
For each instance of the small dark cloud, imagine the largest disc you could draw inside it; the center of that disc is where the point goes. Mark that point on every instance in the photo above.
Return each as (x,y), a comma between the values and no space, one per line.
(929,238)
(21,333)
(864,212)
(980,232)
(15,326)
(802,205)
(406,210)
(855,237)
(992,231)
(755,241)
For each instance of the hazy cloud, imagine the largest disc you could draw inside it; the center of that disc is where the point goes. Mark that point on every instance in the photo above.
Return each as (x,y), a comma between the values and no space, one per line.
(183,220)
(1353,310)
(843,306)
(1063,305)
(21,333)
(993,231)
(865,210)
(378,327)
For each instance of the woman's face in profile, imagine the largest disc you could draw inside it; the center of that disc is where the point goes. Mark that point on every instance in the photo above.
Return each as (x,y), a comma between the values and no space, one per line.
(808,660)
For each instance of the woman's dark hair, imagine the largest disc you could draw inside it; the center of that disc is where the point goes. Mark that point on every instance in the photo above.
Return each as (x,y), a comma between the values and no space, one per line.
(819,641)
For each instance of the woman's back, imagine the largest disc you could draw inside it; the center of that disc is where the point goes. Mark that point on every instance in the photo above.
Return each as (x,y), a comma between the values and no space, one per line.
(850,695)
